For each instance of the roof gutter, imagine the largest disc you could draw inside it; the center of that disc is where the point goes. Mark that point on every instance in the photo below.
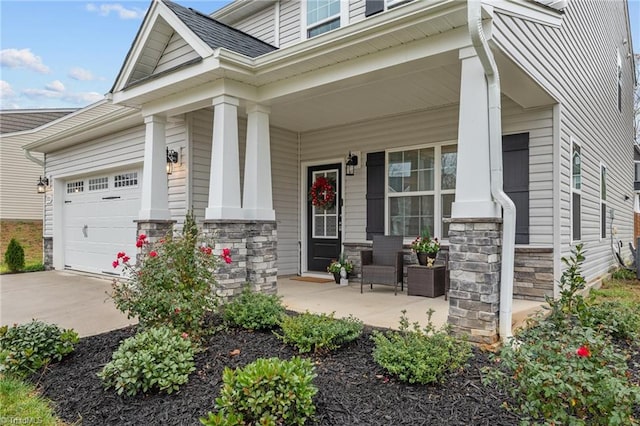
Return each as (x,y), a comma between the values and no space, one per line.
(479,42)
(30,156)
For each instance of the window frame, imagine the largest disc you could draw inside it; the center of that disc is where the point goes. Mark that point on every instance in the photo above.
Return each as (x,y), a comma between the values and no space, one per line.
(342,16)
(574,190)
(437,192)
(603,201)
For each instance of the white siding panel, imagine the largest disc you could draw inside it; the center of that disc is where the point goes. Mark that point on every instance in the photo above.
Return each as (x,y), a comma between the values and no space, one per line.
(289,22)
(176,53)
(201,136)
(260,25)
(577,62)
(176,139)
(356,10)
(18,179)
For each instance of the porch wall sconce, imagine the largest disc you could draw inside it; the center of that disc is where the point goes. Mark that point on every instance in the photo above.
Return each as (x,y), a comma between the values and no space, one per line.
(172,158)
(43,183)
(352,162)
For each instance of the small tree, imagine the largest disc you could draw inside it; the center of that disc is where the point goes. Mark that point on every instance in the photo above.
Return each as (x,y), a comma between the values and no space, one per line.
(14,256)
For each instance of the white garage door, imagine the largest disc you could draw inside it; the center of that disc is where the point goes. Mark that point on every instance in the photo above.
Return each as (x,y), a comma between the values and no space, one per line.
(99,213)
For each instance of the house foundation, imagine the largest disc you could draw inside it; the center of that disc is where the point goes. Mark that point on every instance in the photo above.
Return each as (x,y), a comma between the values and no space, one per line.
(47,253)
(474,263)
(253,246)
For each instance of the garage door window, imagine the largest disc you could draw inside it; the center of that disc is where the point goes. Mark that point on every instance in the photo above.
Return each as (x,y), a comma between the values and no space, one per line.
(98,184)
(75,187)
(124,180)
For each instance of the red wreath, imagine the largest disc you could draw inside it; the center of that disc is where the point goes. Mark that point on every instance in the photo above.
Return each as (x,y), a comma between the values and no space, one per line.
(322,193)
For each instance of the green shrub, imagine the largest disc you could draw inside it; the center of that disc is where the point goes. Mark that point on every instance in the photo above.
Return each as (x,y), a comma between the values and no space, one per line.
(34,267)
(615,318)
(624,274)
(173,284)
(254,311)
(319,332)
(26,348)
(266,392)
(572,376)
(158,358)
(14,256)
(419,355)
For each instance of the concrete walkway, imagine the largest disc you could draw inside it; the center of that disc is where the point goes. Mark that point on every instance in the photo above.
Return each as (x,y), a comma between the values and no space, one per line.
(78,301)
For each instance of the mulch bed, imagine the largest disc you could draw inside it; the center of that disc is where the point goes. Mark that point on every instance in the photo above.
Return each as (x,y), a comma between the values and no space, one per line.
(353,390)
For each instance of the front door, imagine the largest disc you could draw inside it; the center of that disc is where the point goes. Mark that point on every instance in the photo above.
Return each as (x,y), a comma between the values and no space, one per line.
(324,223)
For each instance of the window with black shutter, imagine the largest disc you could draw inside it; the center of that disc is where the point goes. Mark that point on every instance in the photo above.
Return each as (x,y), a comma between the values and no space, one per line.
(375,194)
(373,6)
(515,169)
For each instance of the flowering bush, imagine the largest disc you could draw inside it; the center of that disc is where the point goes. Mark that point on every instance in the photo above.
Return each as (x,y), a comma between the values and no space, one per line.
(425,244)
(172,283)
(322,193)
(337,265)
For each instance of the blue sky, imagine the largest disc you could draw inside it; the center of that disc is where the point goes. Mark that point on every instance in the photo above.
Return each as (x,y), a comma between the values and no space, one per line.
(62,54)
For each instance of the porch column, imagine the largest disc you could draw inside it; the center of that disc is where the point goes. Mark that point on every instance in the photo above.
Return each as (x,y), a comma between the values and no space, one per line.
(224,177)
(155,200)
(257,197)
(473,185)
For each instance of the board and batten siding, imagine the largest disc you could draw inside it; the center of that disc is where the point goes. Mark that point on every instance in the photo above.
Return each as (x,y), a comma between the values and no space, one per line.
(432,126)
(578,64)
(18,179)
(260,25)
(176,53)
(284,168)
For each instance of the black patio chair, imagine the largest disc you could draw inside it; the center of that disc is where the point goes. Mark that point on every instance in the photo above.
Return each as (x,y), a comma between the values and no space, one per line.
(384,264)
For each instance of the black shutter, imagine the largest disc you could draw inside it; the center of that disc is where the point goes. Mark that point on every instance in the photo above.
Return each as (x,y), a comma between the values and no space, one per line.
(515,163)
(373,6)
(375,194)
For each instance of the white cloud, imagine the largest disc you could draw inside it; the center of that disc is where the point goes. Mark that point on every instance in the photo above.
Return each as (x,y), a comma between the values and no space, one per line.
(6,91)
(55,86)
(23,58)
(81,74)
(117,8)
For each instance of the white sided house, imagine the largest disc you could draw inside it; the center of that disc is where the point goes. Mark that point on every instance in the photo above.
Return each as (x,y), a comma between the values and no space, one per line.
(506,127)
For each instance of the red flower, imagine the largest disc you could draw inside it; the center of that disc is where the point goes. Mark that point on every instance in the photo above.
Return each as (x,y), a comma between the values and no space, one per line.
(185,335)
(139,243)
(153,253)
(583,352)
(142,237)
(176,310)
(227,259)
(125,259)
(115,263)
(206,250)
(121,254)
(226,252)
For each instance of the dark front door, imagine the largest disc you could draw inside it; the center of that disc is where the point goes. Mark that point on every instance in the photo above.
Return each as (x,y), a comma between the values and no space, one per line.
(324,225)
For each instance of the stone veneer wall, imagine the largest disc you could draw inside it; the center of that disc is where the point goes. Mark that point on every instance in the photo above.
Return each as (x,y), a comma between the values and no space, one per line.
(155,230)
(47,253)
(253,246)
(533,273)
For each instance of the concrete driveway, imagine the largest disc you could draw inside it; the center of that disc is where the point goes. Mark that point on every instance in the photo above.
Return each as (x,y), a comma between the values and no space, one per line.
(67,299)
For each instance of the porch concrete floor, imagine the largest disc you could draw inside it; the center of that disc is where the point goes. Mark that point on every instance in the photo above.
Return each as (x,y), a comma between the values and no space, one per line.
(378,307)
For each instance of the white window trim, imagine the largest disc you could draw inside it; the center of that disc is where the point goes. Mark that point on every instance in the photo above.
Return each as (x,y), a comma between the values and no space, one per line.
(437,192)
(304,27)
(603,201)
(573,143)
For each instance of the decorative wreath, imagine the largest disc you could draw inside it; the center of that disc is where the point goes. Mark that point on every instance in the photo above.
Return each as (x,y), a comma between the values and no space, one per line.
(323,193)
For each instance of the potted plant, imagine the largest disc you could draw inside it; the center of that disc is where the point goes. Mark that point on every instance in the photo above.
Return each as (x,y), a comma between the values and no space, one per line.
(337,266)
(425,247)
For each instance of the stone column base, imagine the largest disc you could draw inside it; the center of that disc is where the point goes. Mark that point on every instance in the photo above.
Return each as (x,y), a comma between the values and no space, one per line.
(47,253)
(474,263)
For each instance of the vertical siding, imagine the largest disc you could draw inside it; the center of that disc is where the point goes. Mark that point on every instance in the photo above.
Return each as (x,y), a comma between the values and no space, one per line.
(176,139)
(176,53)
(260,25)
(18,179)
(578,63)
(289,22)
(125,147)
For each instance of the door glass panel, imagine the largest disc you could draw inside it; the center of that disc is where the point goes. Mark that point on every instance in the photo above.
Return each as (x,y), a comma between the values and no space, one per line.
(325,221)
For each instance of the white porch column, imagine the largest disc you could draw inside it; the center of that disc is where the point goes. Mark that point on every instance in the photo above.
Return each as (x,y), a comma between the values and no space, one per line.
(473,185)
(154,204)
(224,178)
(257,196)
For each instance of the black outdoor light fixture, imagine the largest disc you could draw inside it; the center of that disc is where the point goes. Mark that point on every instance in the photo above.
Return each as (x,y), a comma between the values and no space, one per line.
(172,158)
(352,162)
(43,182)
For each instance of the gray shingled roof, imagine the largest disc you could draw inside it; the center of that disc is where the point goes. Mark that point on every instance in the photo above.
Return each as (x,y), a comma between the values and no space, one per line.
(19,120)
(216,34)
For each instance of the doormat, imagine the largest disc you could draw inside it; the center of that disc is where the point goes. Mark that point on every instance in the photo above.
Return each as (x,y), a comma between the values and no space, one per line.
(313,279)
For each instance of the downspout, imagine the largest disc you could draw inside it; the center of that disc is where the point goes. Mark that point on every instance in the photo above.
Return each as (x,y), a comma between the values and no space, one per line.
(30,156)
(479,42)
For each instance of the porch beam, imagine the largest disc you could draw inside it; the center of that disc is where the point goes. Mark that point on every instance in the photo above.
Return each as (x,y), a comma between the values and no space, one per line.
(154,202)
(224,176)
(257,196)
(473,183)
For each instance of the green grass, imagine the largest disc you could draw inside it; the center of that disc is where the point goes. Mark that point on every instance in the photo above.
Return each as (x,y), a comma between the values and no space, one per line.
(626,292)
(21,404)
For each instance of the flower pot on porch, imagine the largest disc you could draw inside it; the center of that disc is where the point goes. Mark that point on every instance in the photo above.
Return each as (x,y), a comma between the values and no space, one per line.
(423,256)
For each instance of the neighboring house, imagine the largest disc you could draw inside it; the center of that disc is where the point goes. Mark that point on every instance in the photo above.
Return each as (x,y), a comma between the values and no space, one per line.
(18,175)
(264,97)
